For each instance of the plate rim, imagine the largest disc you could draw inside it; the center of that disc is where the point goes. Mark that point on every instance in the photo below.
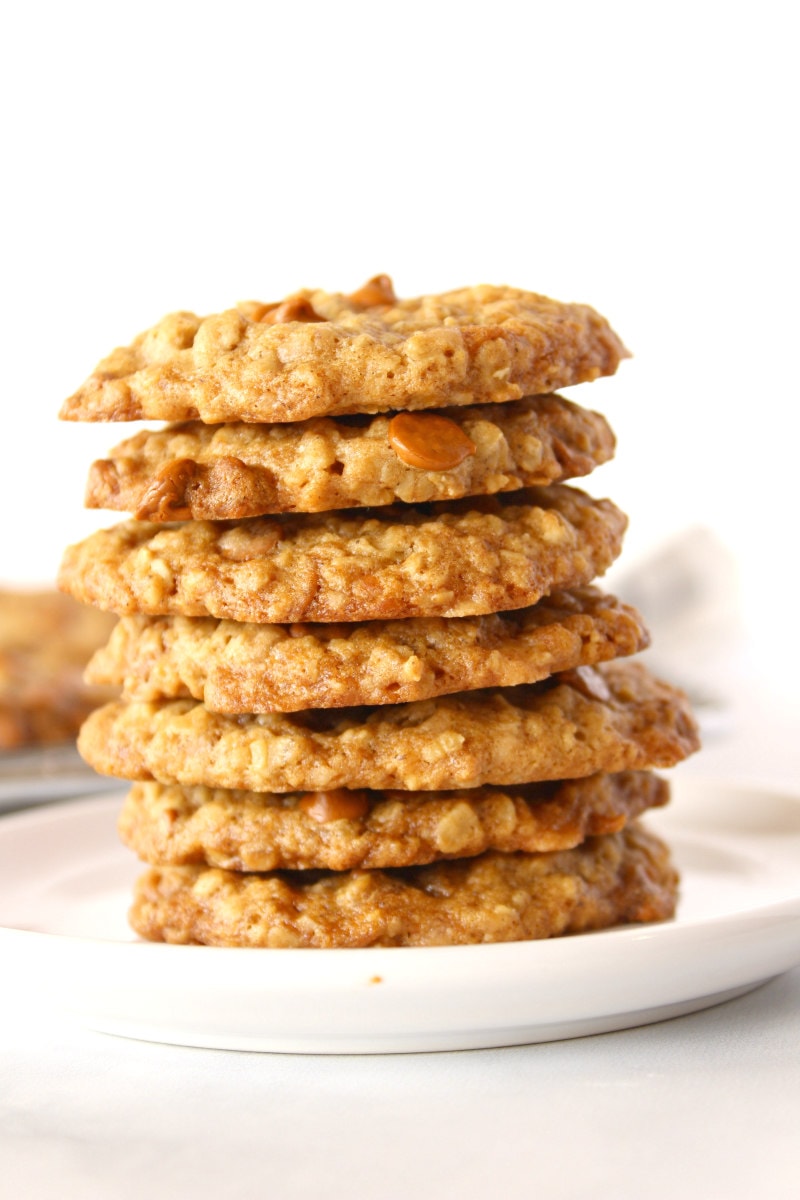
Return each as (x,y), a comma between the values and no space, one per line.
(759,942)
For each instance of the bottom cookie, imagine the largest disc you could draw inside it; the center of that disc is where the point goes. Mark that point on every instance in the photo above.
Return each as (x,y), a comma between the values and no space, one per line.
(611,880)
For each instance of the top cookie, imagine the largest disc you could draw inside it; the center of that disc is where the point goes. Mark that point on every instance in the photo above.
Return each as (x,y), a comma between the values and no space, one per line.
(319,353)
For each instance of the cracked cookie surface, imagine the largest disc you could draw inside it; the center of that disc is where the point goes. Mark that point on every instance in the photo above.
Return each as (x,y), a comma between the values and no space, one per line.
(616,879)
(462,558)
(220,472)
(246,668)
(168,825)
(611,718)
(326,353)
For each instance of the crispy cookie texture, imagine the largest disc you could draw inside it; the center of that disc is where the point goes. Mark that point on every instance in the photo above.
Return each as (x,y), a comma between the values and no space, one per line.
(246,668)
(253,831)
(615,717)
(617,879)
(202,472)
(462,558)
(45,641)
(320,354)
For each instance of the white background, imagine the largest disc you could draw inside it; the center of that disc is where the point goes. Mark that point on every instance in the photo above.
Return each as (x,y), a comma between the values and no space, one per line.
(636,157)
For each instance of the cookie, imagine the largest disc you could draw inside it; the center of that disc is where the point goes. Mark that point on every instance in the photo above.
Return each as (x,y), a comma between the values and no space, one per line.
(610,718)
(45,642)
(320,354)
(462,558)
(341,830)
(613,880)
(247,668)
(220,472)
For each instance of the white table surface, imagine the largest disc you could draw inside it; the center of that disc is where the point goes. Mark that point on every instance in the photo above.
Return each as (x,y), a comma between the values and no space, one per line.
(705,1106)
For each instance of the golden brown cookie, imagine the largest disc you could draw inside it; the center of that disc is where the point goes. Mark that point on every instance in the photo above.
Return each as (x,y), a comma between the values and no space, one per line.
(610,718)
(607,881)
(255,831)
(45,642)
(220,472)
(462,558)
(247,668)
(320,354)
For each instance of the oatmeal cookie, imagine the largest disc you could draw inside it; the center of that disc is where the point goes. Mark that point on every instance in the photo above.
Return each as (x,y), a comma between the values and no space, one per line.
(610,718)
(320,354)
(45,641)
(221,472)
(612,880)
(462,558)
(245,668)
(168,825)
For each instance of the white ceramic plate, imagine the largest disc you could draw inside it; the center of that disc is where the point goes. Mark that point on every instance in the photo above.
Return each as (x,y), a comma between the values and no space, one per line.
(65,890)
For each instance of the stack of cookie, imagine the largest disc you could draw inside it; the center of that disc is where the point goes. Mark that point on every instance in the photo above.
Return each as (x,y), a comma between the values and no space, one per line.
(370,693)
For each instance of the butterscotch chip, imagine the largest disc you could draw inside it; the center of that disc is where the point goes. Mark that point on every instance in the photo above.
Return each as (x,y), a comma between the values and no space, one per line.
(256,831)
(607,881)
(341,804)
(376,291)
(430,441)
(45,642)
(221,472)
(329,353)
(296,308)
(246,668)
(557,729)
(462,558)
